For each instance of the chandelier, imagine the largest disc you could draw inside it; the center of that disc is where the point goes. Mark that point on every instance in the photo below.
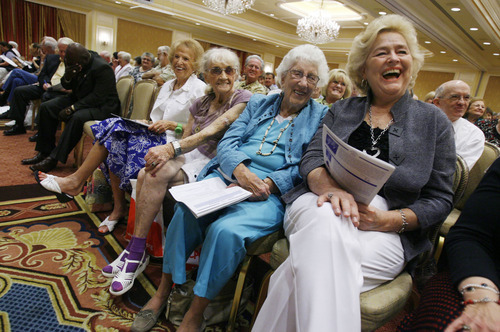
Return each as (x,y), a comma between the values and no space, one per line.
(318,28)
(227,7)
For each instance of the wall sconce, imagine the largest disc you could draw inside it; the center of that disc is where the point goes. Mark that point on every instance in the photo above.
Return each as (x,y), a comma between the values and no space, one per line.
(104,36)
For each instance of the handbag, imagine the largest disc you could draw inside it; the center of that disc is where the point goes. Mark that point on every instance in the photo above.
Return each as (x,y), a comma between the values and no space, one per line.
(98,194)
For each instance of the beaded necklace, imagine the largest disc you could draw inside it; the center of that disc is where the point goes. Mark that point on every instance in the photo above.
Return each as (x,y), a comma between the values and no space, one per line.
(259,152)
(375,150)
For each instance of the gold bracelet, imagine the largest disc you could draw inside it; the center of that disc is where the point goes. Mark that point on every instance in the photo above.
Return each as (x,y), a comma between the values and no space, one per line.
(405,223)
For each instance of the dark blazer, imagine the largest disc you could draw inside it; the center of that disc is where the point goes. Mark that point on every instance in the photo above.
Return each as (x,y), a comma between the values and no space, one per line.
(422,148)
(94,87)
(52,61)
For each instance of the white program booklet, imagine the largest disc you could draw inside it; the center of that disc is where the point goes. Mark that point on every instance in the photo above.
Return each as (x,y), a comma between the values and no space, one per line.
(9,61)
(206,196)
(357,172)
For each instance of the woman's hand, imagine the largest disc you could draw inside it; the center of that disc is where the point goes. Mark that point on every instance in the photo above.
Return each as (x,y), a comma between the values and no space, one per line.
(159,127)
(478,317)
(158,156)
(370,218)
(251,182)
(342,203)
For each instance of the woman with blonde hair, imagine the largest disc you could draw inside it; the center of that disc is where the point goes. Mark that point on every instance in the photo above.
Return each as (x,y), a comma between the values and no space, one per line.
(339,87)
(340,248)
(475,111)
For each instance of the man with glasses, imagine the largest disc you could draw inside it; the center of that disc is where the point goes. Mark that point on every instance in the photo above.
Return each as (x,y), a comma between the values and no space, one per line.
(453,98)
(252,71)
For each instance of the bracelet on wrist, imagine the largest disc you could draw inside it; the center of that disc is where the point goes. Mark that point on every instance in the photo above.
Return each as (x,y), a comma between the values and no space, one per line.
(403,219)
(177,148)
(178,129)
(483,300)
(469,288)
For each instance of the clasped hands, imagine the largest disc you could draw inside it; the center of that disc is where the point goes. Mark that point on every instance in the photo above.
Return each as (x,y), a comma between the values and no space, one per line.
(364,217)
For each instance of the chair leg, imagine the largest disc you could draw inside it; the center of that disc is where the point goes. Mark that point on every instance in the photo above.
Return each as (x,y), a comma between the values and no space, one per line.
(238,293)
(262,295)
(439,249)
(78,152)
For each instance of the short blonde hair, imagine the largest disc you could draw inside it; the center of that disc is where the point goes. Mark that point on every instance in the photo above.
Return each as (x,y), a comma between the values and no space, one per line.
(363,43)
(339,75)
(191,44)
(430,95)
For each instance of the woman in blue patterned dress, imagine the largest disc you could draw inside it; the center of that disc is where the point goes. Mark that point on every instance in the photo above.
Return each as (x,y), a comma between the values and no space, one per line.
(121,145)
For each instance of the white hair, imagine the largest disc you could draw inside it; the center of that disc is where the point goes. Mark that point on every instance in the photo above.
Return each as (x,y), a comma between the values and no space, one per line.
(165,49)
(125,56)
(14,44)
(65,41)
(222,55)
(308,53)
(254,56)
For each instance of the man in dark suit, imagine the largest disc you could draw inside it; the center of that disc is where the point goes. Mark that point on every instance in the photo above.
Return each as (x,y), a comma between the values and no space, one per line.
(45,88)
(93,97)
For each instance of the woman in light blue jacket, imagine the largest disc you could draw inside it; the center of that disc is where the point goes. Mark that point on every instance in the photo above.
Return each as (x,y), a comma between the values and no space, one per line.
(260,152)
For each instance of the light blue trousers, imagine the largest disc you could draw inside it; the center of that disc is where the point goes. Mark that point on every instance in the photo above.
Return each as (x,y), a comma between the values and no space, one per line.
(224,235)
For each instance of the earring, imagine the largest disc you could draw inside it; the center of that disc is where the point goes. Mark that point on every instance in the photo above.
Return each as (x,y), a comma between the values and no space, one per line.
(364,84)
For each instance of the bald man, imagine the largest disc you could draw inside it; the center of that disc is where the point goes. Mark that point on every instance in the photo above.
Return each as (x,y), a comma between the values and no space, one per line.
(93,97)
(453,98)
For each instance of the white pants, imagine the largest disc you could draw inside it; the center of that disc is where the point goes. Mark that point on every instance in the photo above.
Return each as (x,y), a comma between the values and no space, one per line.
(330,263)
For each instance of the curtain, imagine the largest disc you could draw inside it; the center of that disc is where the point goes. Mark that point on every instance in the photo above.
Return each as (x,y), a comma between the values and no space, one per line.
(73,25)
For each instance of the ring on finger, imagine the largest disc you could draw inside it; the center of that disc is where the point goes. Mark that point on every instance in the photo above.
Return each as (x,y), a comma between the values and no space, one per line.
(330,195)
(153,164)
(466,327)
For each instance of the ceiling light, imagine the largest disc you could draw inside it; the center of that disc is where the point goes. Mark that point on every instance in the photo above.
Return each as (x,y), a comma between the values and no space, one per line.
(228,32)
(254,39)
(318,28)
(442,52)
(118,2)
(272,15)
(197,23)
(486,43)
(455,60)
(337,10)
(382,13)
(227,7)
(496,54)
(427,42)
(473,29)
(366,23)
(455,9)
(277,46)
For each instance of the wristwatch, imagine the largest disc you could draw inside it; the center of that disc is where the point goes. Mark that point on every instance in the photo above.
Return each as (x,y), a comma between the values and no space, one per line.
(177,148)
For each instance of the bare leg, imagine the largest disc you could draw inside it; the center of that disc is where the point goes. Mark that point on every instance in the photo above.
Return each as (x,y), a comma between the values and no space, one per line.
(162,293)
(151,191)
(119,202)
(193,319)
(72,184)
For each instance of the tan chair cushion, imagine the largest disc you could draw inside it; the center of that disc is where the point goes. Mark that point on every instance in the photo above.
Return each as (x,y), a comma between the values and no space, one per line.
(87,130)
(450,221)
(265,243)
(381,304)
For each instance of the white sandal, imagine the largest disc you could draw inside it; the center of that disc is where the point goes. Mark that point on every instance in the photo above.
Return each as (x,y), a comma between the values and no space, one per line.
(115,265)
(126,279)
(110,224)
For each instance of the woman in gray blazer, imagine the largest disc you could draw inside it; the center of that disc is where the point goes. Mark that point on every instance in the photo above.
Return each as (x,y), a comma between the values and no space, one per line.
(339,247)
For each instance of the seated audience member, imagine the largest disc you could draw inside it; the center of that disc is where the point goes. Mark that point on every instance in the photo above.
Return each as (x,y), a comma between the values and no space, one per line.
(163,72)
(339,87)
(490,127)
(19,77)
(252,71)
(106,56)
(453,98)
(114,61)
(465,296)
(429,97)
(316,95)
(93,97)
(165,167)
(124,67)
(116,139)
(340,248)
(488,114)
(48,79)
(475,111)
(260,152)
(15,47)
(5,67)
(269,82)
(145,66)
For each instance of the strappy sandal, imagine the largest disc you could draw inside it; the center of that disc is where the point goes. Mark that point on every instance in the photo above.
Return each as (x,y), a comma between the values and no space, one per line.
(50,184)
(111,270)
(126,279)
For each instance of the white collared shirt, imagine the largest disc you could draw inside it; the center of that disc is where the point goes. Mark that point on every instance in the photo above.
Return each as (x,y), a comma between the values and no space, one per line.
(469,141)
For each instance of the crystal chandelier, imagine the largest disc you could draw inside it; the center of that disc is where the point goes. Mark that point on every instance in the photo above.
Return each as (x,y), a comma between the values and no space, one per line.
(318,28)
(227,7)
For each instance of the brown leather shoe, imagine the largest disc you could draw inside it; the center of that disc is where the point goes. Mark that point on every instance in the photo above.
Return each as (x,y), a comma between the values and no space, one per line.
(34,160)
(45,165)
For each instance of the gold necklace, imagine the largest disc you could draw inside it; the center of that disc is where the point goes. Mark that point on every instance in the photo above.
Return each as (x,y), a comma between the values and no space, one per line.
(259,152)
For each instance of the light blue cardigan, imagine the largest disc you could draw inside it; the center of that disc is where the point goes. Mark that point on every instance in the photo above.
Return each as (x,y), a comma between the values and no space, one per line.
(259,109)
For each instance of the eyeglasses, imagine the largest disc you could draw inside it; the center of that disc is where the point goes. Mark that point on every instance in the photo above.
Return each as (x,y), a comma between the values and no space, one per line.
(455,98)
(218,70)
(298,74)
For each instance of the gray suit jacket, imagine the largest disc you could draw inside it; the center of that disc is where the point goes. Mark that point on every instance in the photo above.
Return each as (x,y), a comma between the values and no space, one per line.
(422,148)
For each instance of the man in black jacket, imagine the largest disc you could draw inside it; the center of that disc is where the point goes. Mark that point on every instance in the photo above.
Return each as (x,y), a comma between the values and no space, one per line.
(93,97)
(45,88)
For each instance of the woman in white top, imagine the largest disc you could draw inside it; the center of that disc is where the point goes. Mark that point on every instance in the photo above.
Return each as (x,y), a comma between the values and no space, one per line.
(122,145)
(124,66)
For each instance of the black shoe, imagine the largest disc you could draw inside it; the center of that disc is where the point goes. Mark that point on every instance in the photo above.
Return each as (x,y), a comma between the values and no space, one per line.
(45,165)
(34,160)
(4,116)
(15,130)
(33,138)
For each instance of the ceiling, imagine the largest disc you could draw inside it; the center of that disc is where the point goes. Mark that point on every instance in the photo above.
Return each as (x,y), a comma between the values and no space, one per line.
(269,28)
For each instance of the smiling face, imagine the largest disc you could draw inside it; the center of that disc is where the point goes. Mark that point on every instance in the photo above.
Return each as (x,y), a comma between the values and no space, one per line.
(388,67)
(335,90)
(146,63)
(222,83)
(454,99)
(298,91)
(253,70)
(183,63)
(477,108)
(268,81)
